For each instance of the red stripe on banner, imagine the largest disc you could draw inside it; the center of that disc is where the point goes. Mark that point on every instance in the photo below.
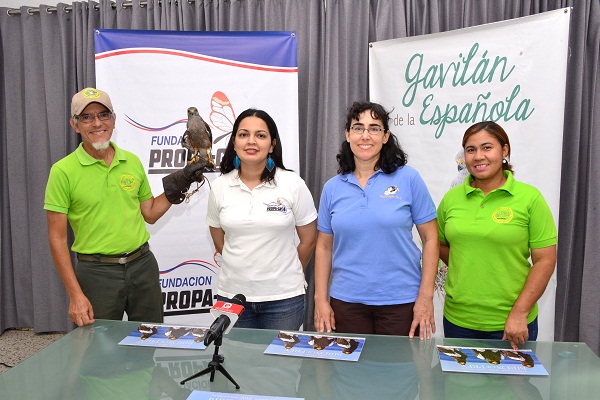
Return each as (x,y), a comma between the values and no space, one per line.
(196,57)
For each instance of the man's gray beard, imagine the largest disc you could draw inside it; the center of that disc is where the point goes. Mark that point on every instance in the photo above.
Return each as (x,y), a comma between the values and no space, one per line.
(101,145)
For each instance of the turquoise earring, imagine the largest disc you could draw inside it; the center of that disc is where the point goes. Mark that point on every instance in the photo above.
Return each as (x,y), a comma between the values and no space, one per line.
(236,162)
(270,164)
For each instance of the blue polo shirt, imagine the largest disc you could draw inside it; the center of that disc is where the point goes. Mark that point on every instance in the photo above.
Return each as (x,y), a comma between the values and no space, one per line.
(375,260)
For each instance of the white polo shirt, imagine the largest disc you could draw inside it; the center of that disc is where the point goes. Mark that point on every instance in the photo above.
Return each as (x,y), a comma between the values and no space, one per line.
(260,259)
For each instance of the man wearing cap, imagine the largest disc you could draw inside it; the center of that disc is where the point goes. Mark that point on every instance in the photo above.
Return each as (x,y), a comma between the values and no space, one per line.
(102,191)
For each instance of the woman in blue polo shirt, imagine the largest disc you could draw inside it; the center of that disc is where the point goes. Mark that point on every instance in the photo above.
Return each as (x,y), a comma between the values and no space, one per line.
(489,227)
(365,244)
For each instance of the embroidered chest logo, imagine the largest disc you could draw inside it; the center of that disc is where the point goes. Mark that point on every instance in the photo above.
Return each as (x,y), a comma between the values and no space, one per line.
(390,193)
(277,206)
(503,215)
(127,182)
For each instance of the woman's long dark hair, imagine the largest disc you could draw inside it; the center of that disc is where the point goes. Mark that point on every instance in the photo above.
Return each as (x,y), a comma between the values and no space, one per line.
(391,156)
(276,155)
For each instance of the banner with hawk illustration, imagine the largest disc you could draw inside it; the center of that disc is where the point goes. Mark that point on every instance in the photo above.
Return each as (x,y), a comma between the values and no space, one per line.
(153,77)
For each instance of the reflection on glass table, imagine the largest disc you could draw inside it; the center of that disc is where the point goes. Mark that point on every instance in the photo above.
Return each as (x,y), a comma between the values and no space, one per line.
(89,364)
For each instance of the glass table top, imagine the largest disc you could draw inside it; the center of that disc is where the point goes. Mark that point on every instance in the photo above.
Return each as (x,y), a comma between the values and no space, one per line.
(89,364)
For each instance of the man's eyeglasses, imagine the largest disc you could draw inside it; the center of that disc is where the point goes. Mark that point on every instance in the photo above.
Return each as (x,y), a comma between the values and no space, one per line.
(89,118)
(372,130)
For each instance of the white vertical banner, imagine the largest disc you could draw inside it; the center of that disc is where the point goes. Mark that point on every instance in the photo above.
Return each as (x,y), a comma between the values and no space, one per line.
(512,72)
(152,78)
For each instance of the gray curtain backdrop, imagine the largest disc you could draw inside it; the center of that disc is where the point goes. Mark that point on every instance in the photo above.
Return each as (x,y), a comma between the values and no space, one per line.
(47,54)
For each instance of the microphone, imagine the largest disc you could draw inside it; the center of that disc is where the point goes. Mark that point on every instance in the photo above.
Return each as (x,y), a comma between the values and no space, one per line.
(226,315)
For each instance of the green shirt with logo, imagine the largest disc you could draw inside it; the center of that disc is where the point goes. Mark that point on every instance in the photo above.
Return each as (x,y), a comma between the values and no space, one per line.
(102,202)
(490,238)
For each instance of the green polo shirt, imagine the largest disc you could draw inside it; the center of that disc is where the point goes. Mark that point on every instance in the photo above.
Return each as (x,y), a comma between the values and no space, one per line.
(490,238)
(102,202)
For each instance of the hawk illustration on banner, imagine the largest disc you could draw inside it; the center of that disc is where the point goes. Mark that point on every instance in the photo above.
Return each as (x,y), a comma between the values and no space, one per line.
(461,167)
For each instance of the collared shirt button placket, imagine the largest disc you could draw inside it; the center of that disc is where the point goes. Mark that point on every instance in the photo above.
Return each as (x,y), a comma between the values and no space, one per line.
(251,207)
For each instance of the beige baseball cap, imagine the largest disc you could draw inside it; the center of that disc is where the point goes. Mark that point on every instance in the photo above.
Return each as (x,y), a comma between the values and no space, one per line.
(87,96)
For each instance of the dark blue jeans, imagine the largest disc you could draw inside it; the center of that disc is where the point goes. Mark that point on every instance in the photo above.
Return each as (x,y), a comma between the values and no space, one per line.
(455,331)
(286,314)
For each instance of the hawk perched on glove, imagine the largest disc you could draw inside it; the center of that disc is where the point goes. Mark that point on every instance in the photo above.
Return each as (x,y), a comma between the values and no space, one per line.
(197,138)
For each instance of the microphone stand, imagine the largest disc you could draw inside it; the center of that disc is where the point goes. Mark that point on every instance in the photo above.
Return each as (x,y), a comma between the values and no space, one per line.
(214,366)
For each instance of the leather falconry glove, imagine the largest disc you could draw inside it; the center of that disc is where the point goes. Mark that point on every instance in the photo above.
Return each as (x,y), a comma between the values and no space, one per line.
(177,183)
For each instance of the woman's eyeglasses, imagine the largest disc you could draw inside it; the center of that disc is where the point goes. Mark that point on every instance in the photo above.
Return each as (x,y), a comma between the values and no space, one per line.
(372,130)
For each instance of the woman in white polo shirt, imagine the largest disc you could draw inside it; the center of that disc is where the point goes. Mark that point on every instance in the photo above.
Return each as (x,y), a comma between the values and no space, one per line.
(256,211)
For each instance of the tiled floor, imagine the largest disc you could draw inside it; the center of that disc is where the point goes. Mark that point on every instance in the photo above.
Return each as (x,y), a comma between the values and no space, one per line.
(18,344)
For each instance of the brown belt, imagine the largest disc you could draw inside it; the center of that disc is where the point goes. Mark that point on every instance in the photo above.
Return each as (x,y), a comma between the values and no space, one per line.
(115,259)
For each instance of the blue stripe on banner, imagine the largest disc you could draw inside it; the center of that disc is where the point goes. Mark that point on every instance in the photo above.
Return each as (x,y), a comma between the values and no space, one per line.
(271,49)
